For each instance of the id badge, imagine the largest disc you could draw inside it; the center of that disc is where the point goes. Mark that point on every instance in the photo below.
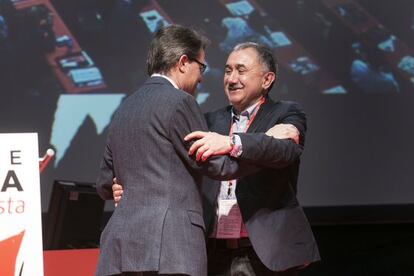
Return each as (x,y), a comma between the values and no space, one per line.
(229,219)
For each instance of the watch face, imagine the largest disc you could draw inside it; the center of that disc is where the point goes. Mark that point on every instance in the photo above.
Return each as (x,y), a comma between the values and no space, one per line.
(233,140)
(236,149)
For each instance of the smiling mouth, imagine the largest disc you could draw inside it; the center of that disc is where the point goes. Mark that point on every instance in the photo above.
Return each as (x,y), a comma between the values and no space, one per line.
(235,89)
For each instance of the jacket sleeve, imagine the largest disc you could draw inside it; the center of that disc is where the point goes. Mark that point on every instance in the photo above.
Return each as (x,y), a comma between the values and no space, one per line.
(106,174)
(263,150)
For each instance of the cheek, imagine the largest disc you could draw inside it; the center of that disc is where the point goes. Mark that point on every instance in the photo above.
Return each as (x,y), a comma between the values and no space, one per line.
(225,82)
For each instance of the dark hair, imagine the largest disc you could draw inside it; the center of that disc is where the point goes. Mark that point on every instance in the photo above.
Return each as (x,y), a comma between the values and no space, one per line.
(266,57)
(169,44)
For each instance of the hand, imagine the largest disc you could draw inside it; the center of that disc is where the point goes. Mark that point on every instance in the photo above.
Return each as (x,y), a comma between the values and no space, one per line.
(208,144)
(284,131)
(116,191)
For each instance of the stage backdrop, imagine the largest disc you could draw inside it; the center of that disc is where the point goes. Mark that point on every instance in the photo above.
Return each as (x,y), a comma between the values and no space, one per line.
(65,66)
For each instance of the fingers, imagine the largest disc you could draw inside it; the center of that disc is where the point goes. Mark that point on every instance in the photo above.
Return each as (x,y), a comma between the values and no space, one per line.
(294,133)
(200,152)
(117,192)
(204,153)
(117,199)
(195,135)
(117,196)
(296,139)
(200,135)
(210,144)
(196,145)
(207,154)
(116,187)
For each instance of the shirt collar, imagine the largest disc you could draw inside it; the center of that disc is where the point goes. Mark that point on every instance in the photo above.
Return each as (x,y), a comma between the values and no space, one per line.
(247,112)
(167,78)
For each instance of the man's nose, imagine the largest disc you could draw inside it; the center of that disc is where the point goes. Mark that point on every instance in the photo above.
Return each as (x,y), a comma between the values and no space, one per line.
(233,77)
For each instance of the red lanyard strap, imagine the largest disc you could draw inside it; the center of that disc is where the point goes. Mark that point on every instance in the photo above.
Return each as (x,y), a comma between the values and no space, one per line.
(249,122)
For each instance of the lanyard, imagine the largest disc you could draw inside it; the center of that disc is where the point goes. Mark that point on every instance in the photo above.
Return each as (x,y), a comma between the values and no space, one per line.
(249,122)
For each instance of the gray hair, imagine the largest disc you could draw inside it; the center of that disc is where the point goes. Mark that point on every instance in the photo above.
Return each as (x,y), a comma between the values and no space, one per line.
(266,57)
(169,44)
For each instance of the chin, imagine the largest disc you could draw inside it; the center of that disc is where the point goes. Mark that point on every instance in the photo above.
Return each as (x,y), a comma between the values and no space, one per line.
(234,98)
(234,102)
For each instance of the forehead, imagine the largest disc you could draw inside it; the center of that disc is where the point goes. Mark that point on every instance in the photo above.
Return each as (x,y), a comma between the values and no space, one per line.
(245,57)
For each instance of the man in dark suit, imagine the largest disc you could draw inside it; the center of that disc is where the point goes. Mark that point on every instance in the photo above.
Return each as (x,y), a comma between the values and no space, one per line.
(255,223)
(158,227)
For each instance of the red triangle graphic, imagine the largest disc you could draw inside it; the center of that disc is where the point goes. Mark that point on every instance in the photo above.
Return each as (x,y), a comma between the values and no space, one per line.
(8,254)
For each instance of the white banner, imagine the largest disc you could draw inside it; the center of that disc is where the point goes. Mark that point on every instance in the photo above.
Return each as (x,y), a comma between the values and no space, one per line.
(21,251)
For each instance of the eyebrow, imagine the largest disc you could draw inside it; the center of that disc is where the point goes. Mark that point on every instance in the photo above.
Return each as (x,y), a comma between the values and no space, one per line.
(238,66)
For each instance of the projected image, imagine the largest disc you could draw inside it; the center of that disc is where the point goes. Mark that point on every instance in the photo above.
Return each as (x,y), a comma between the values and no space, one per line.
(65,66)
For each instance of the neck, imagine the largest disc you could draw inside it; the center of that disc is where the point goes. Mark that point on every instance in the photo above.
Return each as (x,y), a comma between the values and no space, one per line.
(177,78)
(172,76)
(168,76)
(240,108)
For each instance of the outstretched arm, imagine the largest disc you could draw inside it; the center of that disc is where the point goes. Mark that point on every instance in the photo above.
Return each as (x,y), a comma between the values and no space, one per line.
(210,143)
(281,149)
(276,153)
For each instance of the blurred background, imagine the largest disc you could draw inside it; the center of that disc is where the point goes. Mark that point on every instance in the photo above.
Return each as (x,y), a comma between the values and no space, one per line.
(66,65)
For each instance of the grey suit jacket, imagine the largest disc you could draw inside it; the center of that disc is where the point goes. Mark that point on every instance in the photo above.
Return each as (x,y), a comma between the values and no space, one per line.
(158,225)
(277,227)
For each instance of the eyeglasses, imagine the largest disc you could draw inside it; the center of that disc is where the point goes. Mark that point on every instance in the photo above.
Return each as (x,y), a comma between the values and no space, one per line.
(203,66)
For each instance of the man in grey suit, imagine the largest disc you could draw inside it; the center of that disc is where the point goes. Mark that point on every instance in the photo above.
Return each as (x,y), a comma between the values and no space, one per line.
(273,236)
(158,227)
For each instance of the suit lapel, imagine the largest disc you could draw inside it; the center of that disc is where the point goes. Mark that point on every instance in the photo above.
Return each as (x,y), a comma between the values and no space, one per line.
(223,121)
(264,110)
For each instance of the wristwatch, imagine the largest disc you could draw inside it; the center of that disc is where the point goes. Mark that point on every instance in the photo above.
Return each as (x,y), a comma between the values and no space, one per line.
(232,141)
(236,146)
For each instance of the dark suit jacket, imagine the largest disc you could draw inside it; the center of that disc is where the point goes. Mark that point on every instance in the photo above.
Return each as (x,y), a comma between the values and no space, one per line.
(158,225)
(277,227)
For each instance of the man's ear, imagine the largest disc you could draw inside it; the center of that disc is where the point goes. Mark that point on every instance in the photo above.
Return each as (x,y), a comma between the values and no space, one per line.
(268,79)
(183,63)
